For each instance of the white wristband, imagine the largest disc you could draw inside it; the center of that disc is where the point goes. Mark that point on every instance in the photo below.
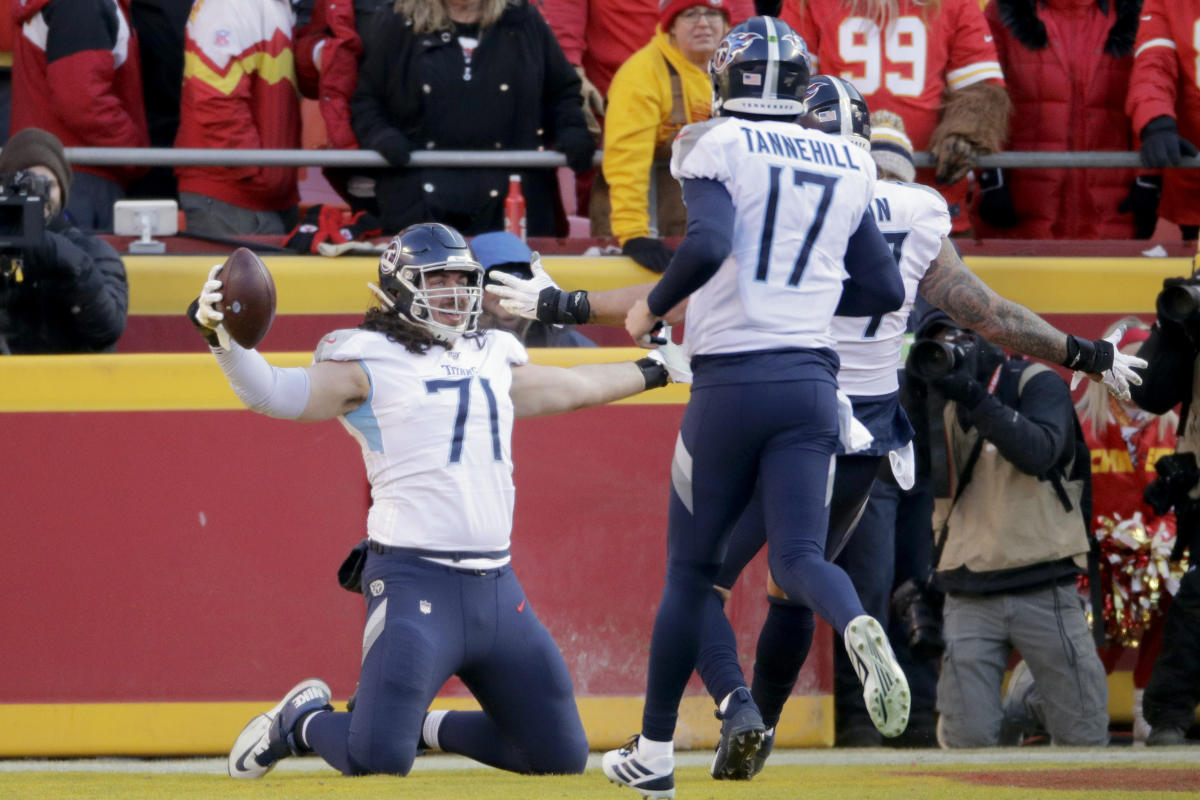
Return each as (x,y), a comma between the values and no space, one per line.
(274,391)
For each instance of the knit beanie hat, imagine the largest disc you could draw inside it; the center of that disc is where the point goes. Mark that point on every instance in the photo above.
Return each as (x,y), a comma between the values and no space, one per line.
(36,147)
(668,10)
(890,145)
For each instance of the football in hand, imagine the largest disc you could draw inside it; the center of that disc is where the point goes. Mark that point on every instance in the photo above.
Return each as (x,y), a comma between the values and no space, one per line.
(249,297)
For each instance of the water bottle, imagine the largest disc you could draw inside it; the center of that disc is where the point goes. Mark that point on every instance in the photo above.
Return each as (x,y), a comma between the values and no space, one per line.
(514,208)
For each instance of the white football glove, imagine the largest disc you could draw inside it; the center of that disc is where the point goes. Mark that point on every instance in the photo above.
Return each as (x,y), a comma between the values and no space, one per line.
(519,296)
(1118,377)
(206,314)
(672,357)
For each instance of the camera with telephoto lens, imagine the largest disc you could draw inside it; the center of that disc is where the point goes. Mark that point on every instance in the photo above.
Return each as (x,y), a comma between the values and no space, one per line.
(1179,301)
(931,359)
(23,197)
(1177,475)
(918,605)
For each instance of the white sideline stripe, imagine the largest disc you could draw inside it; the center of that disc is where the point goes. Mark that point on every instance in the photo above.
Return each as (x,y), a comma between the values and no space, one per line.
(878,756)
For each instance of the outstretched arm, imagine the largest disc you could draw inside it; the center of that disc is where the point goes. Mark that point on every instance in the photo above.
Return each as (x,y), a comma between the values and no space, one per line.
(539,390)
(970,302)
(307,394)
(540,298)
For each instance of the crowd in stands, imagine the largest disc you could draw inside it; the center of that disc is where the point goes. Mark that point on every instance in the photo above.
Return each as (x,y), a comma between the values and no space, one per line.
(968,78)
(961,78)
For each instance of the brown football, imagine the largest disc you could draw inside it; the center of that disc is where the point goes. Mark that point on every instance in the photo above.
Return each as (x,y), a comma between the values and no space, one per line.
(249,297)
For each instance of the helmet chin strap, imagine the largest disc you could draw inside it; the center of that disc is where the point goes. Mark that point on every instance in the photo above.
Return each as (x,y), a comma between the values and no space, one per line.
(388,303)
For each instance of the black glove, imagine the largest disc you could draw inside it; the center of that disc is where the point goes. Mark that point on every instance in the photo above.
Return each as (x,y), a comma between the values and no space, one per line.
(961,387)
(1142,202)
(394,146)
(52,257)
(960,384)
(1162,146)
(578,146)
(995,200)
(650,253)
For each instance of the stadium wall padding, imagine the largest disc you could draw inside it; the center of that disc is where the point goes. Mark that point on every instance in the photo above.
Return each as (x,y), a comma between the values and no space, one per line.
(172,560)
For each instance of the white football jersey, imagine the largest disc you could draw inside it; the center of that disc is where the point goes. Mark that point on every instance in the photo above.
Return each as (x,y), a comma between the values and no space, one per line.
(436,436)
(913,219)
(799,194)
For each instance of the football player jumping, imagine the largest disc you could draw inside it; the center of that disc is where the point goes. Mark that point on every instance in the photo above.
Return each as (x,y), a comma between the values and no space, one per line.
(915,222)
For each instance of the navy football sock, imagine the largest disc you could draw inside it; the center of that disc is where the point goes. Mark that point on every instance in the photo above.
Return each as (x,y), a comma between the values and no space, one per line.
(783,646)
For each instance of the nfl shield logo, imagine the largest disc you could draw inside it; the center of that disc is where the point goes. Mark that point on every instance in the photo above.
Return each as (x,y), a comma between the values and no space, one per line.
(426,607)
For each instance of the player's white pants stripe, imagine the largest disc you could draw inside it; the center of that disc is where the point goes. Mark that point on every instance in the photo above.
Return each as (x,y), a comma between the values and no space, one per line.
(681,473)
(374,627)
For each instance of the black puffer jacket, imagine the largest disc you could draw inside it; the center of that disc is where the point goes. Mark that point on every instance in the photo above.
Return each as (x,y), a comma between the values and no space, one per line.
(520,94)
(77,305)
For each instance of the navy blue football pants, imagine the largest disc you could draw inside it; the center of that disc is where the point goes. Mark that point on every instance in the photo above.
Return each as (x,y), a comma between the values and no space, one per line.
(781,437)
(718,663)
(426,622)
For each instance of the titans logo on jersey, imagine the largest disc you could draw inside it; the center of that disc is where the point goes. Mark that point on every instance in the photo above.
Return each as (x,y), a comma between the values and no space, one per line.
(783,279)
(913,219)
(436,437)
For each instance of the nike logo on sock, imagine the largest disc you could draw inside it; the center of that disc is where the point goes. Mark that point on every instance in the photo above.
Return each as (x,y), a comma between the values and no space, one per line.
(521,607)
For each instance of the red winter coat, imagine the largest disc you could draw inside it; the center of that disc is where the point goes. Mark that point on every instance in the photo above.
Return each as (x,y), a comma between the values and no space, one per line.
(77,74)
(333,25)
(1067,69)
(1166,80)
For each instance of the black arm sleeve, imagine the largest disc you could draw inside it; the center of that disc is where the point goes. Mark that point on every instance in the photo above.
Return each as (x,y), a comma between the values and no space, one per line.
(874,286)
(1167,380)
(708,242)
(1035,435)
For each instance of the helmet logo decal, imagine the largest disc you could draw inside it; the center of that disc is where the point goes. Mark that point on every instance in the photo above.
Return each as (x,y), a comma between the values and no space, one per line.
(793,38)
(730,47)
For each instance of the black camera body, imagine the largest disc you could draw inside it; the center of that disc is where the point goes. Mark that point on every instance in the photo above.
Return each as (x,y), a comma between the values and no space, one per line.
(1179,300)
(1177,476)
(917,603)
(931,359)
(23,197)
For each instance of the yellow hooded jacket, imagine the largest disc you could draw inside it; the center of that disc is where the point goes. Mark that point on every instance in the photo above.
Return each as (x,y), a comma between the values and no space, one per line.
(641,119)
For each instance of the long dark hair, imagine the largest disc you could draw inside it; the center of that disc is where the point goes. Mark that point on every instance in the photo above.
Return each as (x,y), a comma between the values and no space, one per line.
(396,328)
(411,337)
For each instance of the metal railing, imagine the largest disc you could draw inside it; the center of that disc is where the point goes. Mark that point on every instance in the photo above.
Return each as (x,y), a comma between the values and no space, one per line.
(510,159)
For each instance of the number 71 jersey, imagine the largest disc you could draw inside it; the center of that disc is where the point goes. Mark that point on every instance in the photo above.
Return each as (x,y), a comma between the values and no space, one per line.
(436,437)
(798,196)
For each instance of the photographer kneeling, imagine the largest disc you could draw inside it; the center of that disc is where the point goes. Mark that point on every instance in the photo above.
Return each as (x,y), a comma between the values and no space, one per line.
(1013,539)
(1173,351)
(61,290)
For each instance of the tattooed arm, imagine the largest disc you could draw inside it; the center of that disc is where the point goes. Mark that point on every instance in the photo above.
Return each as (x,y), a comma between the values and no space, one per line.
(970,302)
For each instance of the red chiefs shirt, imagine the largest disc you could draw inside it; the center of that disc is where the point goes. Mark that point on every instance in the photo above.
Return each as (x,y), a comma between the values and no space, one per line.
(906,65)
(1123,459)
(1165,81)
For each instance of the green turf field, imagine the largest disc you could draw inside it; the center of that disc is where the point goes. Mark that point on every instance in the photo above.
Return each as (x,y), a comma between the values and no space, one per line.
(1112,774)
